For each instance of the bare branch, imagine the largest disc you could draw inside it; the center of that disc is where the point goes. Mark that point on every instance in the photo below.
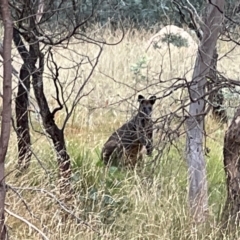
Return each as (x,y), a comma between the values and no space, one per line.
(60,203)
(78,96)
(27,222)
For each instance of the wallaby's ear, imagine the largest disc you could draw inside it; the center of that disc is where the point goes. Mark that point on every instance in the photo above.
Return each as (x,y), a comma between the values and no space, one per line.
(152,99)
(140,98)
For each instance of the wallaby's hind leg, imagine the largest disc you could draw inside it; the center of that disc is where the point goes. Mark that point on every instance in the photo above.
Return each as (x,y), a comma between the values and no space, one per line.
(111,153)
(133,159)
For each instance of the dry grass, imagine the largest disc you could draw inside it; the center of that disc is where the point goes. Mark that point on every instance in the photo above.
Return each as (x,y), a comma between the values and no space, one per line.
(144,204)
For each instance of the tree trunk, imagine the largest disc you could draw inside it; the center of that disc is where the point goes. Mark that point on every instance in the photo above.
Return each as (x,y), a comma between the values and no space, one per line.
(198,198)
(6,109)
(51,128)
(21,108)
(231,153)
(57,135)
(22,102)
(23,133)
(216,98)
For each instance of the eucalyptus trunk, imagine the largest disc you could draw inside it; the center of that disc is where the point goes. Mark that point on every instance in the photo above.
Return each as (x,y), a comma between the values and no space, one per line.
(231,153)
(198,196)
(6,108)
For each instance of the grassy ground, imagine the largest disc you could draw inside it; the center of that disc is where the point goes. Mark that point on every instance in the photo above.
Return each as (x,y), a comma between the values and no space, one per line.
(148,203)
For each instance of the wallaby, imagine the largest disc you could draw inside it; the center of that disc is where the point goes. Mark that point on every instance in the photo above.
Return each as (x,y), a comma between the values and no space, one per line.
(125,146)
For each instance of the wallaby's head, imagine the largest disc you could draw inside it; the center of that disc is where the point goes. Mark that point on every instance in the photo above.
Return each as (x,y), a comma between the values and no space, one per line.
(146,105)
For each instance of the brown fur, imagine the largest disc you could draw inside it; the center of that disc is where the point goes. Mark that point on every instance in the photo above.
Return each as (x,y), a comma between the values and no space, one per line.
(125,146)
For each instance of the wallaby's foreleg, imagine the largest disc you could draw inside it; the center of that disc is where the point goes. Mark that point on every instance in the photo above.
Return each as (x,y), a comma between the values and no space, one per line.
(149,145)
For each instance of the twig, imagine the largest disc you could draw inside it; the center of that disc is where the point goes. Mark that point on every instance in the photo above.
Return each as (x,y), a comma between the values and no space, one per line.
(61,204)
(27,222)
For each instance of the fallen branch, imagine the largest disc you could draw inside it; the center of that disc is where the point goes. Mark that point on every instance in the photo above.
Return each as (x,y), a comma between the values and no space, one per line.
(27,222)
(61,204)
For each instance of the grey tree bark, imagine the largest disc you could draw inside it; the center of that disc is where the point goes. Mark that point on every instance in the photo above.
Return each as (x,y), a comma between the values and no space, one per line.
(231,152)
(6,108)
(198,197)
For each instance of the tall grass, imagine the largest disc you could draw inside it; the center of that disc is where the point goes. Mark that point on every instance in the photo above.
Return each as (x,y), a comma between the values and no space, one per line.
(147,203)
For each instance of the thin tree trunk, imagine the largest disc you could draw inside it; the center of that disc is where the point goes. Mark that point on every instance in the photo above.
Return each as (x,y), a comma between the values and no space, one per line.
(57,135)
(198,197)
(6,109)
(216,98)
(21,108)
(231,153)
